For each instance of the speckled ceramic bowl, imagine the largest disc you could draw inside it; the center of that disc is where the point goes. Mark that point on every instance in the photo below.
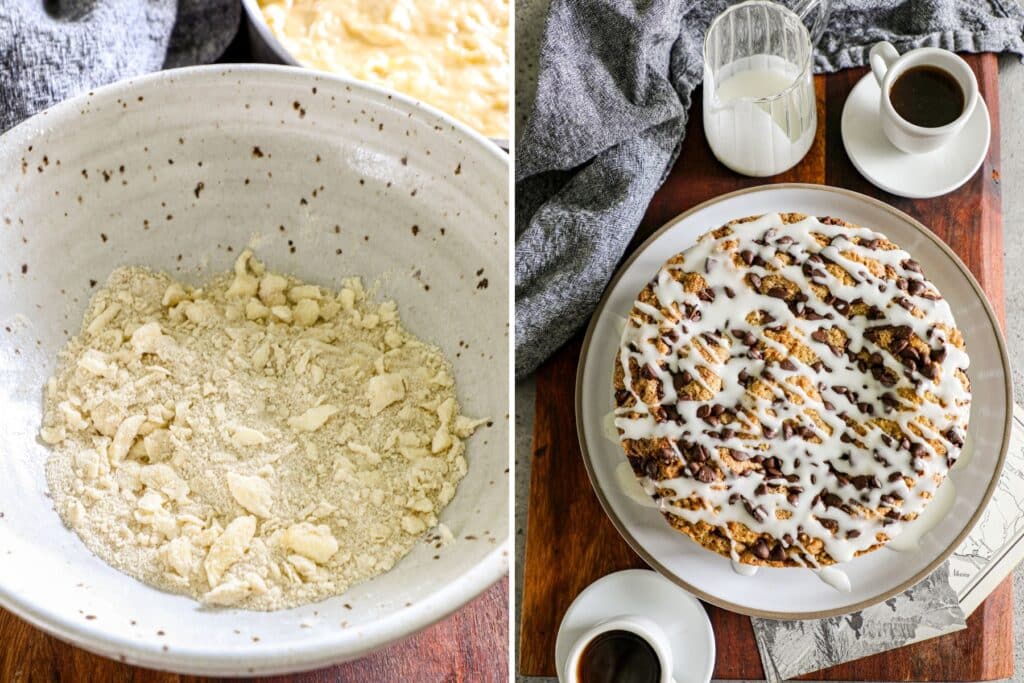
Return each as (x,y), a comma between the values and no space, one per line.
(267,48)
(180,171)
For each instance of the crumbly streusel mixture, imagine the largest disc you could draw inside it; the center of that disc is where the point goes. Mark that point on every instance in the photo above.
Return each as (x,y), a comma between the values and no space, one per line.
(259,442)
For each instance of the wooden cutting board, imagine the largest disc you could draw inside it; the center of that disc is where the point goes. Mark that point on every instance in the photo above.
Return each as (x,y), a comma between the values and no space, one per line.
(470,646)
(570,542)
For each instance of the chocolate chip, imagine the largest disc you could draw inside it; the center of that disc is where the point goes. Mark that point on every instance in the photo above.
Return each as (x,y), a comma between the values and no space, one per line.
(742,456)
(831,500)
(852,533)
(938,355)
(778,553)
(820,336)
(717,409)
(747,256)
(703,411)
(769,432)
(895,476)
(760,549)
(755,280)
(705,474)
(787,364)
(621,396)
(777,292)
(787,431)
(648,372)
(729,293)
(681,379)
(743,376)
(911,265)
(915,287)
(756,354)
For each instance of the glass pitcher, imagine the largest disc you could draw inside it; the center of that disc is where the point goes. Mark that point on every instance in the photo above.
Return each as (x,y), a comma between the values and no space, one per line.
(760,114)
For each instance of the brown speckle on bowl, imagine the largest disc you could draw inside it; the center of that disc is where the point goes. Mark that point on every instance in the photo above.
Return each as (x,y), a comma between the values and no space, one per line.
(90,617)
(415,230)
(103,236)
(256,151)
(24,269)
(405,161)
(92,283)
(199,188)
(106,176)
(458,169)
(482,284)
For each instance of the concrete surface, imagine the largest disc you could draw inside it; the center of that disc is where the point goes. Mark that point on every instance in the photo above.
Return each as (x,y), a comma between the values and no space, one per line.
(529,27)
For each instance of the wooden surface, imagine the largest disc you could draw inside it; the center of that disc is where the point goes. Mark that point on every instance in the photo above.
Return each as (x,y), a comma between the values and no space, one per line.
(571,543)
(471,646)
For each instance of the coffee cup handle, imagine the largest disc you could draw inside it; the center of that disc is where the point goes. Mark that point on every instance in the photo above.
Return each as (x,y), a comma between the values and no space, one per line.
(882,56)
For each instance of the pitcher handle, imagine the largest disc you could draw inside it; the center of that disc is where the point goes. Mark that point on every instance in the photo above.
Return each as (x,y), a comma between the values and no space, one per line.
(804,7)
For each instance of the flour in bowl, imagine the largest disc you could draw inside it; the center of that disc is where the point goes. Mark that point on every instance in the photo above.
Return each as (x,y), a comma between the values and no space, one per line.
(260,442)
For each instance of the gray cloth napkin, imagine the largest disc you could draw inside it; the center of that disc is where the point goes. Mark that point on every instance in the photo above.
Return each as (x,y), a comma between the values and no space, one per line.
(613,89)
(53,49)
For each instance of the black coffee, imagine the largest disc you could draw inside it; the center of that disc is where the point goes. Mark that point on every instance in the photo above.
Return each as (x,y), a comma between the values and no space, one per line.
(927,96)
(619,657)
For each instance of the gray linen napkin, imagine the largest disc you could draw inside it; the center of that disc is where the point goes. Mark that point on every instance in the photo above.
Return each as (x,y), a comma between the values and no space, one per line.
(53,49)
(613,90)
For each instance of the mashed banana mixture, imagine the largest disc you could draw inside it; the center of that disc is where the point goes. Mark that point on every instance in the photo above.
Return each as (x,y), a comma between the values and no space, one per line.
(453,54)
(259,442)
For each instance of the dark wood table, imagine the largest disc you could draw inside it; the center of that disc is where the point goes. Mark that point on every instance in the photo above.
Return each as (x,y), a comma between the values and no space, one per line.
(470,646)
(565,519)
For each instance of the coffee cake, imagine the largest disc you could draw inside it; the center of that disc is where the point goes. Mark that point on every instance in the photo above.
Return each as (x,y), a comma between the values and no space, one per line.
(791,390)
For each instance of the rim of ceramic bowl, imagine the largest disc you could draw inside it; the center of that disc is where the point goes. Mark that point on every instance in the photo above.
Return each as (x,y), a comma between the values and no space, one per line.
(264,658)
(259,23)
(639,548)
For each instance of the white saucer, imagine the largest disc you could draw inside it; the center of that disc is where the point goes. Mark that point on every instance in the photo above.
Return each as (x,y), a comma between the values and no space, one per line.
(918,176)
(641,592)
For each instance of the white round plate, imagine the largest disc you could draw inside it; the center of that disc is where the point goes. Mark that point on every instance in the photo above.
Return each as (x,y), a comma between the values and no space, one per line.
(796,593)
(179,171)
(918,176)
(643,593)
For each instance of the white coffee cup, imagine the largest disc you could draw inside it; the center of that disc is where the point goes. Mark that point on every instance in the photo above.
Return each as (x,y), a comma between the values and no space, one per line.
(888,65)
(640,626)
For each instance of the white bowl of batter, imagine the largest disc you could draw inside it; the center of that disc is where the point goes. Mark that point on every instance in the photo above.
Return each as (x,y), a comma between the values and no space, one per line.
(324,178)
(452,54)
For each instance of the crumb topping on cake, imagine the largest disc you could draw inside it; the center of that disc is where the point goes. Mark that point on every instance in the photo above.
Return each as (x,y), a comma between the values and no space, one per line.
(791,390)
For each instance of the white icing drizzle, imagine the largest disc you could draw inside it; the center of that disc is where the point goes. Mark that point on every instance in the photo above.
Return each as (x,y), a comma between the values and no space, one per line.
(832,488)
(834,577)
(631,487)
(744,569)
